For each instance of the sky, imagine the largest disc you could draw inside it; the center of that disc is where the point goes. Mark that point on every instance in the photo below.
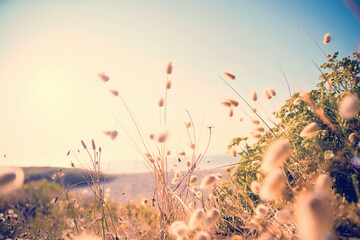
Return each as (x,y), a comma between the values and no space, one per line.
(51,52)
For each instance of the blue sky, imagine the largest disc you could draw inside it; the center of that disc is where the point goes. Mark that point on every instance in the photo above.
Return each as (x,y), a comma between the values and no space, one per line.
(50,96)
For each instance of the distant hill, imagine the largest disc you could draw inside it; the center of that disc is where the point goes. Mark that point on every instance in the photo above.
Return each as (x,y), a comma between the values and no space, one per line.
(72,176)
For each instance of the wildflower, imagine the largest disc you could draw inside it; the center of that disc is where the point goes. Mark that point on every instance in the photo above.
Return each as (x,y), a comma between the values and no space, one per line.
(161,102)
(168,84)
(103,77)
(196,218)
(207,181)
(275,155)
(169,68)
(283,216)
(309,129)
(255,187)
(114,92)
(327,38)
(229,75)
(349,106)
(201,235)
(212,216)
(273,185)
(254,96)
(179,229)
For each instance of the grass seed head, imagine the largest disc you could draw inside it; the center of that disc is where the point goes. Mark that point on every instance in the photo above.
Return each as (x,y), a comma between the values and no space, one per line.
(327,38)
(349,106)
(229,75)
(168,84)
(231,112)
(161,102)
(261,210)
(283,216)
(114,92)
(267,94)
(201,235)
(273,185)
(255,187)
(207,181)
(11,179)
(196,218)
(212,216)
(256,122)
(103,77)
(163,136)
(275,155)
(309,129)
(169,68)
(193,180)
(233,102)
(179,229)
(254,96)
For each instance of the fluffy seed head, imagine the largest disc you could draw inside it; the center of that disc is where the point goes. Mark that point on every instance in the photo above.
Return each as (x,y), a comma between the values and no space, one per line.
(11,179)
(271,92)
(267,94)
(196,218)
(212,216)
(309,129)
(161,102)
(233,102)
(273,185)
(231,112)
(349,106)
(323,183)
(207,181)
(169,68)
(114,92)
(229,75)
(327,38)
(193,180)
(283,216)
(179,229)
(168,84)
(275,155)
(226,104)
(201,235)
(253,95)
(162,137)
(103,77)
(315,216)
(256,122)
(261,210)
(255,187)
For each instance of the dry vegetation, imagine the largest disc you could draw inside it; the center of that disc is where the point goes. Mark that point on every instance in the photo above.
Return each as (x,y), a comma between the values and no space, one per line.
(300,180)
